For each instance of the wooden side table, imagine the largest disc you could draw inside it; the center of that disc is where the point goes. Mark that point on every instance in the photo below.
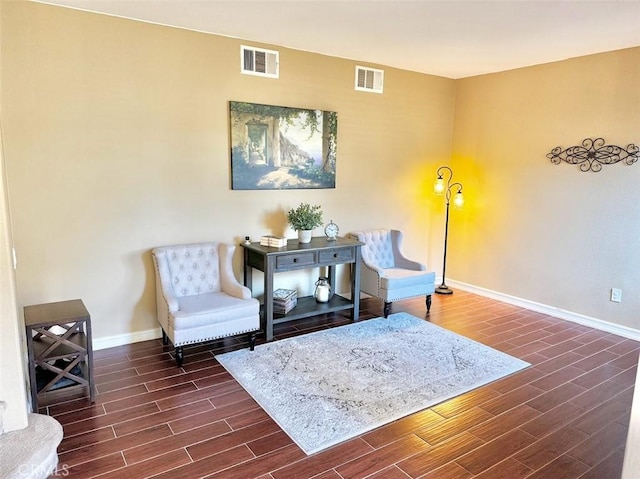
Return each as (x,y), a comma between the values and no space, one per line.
(294,256)
(60,351)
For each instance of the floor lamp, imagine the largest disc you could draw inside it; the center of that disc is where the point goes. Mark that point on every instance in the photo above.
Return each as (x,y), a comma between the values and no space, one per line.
(439,188)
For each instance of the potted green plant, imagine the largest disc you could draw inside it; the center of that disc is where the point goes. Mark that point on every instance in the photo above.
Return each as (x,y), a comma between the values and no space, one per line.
(304,219)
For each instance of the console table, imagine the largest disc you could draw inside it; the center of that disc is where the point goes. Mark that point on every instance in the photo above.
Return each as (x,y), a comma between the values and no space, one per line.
(294,256)
(59,347)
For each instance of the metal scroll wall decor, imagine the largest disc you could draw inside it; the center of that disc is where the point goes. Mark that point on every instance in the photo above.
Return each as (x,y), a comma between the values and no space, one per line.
(592,154)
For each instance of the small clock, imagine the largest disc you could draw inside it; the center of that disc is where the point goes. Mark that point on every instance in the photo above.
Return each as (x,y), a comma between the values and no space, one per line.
(331,231)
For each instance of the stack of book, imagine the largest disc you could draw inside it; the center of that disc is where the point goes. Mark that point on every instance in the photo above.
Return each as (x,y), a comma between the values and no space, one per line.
(284,300)
(273,241)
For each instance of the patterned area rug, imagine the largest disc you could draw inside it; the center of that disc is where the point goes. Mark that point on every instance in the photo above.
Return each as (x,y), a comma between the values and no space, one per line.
(326,387)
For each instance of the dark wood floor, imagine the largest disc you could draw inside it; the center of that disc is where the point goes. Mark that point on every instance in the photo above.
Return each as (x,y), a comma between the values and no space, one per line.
(565,417)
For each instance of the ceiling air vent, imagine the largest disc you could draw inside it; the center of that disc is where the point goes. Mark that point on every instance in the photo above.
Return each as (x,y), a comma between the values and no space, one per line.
(256,61)
(369,79)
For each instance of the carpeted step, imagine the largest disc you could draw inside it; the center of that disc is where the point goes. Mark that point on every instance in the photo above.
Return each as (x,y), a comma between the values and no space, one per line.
(30,453)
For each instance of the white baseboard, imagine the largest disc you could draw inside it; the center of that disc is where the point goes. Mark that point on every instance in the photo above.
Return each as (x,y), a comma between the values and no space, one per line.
(595,323)
(122,339)
(624,331)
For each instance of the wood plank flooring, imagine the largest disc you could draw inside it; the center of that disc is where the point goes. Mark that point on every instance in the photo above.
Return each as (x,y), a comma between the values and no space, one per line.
(564,417)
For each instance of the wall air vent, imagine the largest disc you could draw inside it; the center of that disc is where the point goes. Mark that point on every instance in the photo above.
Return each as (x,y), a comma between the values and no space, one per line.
(256,61)
(369,79)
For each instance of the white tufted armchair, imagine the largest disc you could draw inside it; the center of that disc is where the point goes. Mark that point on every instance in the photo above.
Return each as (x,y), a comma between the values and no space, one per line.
(198,297)
(387,274)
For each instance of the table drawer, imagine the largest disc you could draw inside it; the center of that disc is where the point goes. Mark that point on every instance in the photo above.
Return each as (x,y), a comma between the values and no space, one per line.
(292,261)
(338,255)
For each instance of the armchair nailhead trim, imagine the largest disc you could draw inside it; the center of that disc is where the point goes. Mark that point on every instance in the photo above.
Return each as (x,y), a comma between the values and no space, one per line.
(374,271)
(211,338)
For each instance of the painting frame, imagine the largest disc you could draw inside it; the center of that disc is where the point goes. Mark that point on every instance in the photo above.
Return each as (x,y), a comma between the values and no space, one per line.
(278,147)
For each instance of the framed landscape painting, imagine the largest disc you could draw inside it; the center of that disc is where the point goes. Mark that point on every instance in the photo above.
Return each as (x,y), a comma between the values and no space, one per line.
(277,147)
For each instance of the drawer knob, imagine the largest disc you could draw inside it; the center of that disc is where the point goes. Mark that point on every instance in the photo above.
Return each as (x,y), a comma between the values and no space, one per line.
(335,255)
(295,260)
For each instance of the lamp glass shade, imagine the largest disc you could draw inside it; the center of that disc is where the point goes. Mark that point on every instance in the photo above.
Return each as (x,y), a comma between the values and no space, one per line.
(458,201)
(438,186)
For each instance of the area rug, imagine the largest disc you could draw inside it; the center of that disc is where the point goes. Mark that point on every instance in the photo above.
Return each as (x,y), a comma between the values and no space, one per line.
(329,386)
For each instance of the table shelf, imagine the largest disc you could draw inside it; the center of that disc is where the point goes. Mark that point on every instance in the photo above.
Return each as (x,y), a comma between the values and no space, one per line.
(307,306)
(44,377)
(60,350)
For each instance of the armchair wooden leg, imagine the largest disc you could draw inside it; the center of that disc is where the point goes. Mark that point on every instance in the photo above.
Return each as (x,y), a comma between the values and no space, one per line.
(252,341)
(179,356)
(387,308)
(428,303)
(165,338)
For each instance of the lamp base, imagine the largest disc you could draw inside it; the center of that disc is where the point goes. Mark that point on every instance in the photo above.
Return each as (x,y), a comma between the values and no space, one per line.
(444,289)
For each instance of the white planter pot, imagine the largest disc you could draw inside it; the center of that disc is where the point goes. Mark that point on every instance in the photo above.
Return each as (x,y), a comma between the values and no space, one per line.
(304,236)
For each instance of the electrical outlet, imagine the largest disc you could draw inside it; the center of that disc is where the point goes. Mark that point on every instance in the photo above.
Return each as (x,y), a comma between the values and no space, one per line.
(616,295)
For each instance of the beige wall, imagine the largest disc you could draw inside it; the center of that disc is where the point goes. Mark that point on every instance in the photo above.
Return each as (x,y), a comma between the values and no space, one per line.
(117,141)
(13,375)
(550,234)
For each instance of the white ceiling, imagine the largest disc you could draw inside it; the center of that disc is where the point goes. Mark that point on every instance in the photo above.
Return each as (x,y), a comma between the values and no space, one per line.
(451,38)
